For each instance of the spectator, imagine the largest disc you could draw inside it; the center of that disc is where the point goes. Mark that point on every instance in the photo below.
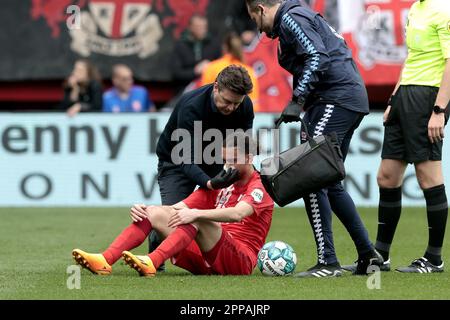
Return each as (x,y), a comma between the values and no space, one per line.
(239,21)
(193,52)
(248,36)
(82,90)
(124,96)
(232,54)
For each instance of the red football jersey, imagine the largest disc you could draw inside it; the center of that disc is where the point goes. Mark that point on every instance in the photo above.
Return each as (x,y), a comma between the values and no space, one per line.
(252,230)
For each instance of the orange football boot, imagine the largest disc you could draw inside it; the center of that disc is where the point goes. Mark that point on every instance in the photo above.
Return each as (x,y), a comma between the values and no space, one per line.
(142,264)
(94,262)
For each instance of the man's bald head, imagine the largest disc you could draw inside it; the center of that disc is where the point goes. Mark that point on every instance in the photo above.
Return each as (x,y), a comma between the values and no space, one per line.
(122,78)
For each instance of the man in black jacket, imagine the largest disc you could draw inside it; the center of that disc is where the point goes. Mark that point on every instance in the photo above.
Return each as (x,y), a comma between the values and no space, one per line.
(193,52)
(222,106)
(329,88)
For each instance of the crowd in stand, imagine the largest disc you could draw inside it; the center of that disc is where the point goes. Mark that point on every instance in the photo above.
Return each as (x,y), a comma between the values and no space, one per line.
(197,60)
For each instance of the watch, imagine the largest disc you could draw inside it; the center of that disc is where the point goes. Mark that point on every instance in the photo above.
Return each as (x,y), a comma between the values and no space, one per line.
(438,109)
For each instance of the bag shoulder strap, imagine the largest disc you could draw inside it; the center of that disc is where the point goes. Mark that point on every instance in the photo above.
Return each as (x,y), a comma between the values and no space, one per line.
(309,139)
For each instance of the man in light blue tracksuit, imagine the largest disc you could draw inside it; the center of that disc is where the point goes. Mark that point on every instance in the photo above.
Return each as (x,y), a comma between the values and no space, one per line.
(329,88)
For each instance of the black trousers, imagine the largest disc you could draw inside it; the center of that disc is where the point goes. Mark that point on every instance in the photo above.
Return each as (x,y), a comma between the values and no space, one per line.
(174,187)
(324,119)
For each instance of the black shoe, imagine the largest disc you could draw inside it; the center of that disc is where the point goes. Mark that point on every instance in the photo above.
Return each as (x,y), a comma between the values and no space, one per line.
(321,270)
(153,243)
(162,268)
(421,265)
(385,267)
(363,264)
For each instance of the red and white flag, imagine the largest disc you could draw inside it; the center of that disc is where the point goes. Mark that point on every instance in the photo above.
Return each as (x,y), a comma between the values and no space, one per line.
(375,31)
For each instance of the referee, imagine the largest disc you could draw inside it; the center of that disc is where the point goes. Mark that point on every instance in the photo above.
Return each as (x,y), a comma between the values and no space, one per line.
(222,105)
(414,128)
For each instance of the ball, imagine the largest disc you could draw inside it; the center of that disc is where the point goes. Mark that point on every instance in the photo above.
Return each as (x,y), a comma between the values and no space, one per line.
(277,258)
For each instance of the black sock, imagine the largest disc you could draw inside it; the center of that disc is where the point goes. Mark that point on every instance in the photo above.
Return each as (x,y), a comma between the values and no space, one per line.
(437,211)
(389,210)
(367,255)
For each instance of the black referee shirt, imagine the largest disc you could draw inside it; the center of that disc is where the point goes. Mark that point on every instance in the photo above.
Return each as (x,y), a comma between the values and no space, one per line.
(198,105)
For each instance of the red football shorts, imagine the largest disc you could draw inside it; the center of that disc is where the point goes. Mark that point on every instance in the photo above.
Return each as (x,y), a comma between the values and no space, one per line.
(228,257)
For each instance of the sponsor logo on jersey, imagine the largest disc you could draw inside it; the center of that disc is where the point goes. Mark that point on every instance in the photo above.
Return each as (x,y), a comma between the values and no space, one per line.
(257,195)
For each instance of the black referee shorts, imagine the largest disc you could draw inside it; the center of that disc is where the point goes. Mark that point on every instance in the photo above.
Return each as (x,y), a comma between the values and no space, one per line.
(406,129)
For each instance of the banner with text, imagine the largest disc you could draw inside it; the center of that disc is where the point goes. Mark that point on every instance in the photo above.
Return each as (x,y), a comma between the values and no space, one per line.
(110,160)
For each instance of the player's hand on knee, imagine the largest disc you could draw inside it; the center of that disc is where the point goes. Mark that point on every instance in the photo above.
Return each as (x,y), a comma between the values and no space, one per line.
(182,216)
(138,212)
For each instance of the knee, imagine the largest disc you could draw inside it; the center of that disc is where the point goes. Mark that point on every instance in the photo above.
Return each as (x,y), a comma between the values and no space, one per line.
(382,180)
(335,189)
(426,181)
(429,174)
(202,226)
(387,180)
(157,216)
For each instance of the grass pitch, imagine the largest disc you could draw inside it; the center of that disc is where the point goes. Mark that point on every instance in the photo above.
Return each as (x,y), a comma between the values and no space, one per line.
(36,245)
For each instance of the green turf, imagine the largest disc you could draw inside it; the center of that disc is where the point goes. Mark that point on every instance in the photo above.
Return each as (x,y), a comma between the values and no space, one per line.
(36,245)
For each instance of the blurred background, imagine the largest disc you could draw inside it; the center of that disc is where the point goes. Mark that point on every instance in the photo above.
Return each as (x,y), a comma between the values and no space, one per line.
(42,40)
(127,62)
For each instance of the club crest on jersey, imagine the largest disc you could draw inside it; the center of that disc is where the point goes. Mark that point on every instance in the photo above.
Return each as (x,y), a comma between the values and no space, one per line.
(223,197)
(257,195)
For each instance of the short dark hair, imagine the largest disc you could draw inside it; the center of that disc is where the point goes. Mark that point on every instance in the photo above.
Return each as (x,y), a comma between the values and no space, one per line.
(243,141)
(254,3)
(236,79)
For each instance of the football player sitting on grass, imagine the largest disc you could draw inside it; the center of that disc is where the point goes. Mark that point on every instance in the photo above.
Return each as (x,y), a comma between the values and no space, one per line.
(210,232)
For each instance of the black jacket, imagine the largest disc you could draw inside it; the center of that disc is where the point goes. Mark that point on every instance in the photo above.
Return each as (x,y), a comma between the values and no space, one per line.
(318,58)
(90,98)
(188,52)
(193,106)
